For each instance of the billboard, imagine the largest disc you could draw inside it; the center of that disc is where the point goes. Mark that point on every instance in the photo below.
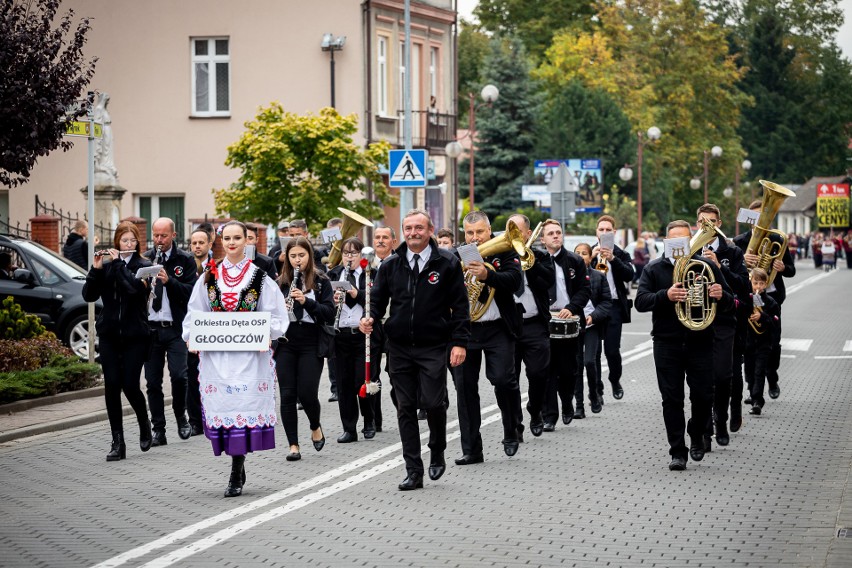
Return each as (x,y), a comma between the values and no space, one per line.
(588,176)
(832,207)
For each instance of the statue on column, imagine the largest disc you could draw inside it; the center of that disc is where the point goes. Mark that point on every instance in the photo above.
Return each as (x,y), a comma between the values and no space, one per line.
(105,172)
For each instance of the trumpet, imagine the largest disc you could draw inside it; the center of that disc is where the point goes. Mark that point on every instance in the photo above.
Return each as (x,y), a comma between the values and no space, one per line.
(295,285)
(601,265)
(758,308)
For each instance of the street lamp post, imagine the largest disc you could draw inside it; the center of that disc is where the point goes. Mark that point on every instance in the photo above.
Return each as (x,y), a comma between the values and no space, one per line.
(489,94)
(715,152)
(626,173)
(332,44)
(744,167)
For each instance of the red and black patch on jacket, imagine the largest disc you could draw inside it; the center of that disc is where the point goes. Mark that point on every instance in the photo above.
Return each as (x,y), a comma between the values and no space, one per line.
(433,277)
(178,271)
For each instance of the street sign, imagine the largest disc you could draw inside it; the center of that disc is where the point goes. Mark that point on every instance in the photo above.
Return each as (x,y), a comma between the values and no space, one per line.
(563,180)
(408,168)
(79,128)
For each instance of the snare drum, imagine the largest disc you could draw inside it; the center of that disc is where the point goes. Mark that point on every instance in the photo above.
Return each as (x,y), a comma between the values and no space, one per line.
(568,328)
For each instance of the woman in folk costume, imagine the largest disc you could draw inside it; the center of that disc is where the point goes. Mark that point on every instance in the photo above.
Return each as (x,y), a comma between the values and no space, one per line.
(237,387)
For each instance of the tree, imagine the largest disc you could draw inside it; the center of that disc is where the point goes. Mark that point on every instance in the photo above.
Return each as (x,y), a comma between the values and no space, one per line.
(304,167)
(473,47)
(504,140)
(44,73)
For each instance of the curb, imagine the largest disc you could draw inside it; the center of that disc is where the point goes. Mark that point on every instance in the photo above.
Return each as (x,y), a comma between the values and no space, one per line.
(66,423)
(21,405)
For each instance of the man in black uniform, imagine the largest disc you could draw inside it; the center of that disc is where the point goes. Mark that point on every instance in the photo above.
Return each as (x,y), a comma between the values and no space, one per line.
(172,289)
(262,261)
(493,336)
(428,310)
(568,296)
(785,268)
(729,260)
(533,344)
(679,351)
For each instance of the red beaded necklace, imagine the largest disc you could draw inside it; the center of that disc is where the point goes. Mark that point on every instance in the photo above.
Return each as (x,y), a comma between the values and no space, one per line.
(233,281)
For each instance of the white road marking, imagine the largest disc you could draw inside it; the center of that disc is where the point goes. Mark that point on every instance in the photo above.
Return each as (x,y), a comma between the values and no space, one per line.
(788,356)
(848,345)
(832,356)
(791,344)
(799,285)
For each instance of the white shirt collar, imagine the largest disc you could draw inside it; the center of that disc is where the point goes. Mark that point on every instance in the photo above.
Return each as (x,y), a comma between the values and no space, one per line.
(425,254)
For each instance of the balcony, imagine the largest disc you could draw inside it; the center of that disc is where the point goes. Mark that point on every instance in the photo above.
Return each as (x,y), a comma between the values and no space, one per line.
(432,130)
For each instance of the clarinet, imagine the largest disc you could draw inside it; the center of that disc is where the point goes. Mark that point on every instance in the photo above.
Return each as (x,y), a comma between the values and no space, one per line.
(342,299)
(295,285)
(158,259)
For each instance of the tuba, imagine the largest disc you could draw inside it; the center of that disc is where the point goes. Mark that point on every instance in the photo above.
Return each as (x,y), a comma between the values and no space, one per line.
(528,258)
(352,224)
(511,239)
(760,243)
(698,311)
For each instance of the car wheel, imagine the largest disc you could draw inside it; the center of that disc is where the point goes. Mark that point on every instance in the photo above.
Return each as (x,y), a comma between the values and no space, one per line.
(77,336)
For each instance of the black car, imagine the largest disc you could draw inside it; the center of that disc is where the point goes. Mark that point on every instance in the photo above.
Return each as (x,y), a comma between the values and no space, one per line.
(49,286)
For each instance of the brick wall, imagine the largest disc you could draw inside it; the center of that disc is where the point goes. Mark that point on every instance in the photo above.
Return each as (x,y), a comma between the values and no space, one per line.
(45,231)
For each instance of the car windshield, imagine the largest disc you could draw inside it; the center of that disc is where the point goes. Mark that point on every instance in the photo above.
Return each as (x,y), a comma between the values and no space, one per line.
(57,263)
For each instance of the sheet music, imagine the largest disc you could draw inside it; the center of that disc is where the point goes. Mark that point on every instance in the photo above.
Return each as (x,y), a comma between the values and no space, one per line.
(469,253)
(342,284)
(607,241)
(676,247)
(148,271)
(747,216)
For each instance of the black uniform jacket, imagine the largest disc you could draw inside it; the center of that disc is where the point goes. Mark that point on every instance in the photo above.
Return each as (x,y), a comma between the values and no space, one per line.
(321,307)
(780,292)
(336,274)
(266,264)
(622,269)
(125,298)
(540,279)
(576,280)
(182,276)
(506,278)
(770,315)
(736,275)
(431,310)
(601,297)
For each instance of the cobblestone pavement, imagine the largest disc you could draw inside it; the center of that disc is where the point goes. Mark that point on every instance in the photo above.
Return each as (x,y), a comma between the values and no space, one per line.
(596,492)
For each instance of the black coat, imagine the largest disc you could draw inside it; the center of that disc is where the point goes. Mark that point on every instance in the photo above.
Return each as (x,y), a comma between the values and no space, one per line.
(182,273)
(576,280)
(734,271)
(540,279)
(76,249)
(601,297)
(266,264)
(506,278)
(125,298)
(622,269)
(780,292)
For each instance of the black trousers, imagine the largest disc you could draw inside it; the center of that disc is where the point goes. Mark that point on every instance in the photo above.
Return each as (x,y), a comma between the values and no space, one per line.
(168,346)
(491,340)
(674,359)
(588,353)
(122,361)
(332,376)
(193,390)
(723,371)
(757,360)
(737,369)
(419,373)
(561,378)
(533,348)
(612,346)
(349,365)
(299,368)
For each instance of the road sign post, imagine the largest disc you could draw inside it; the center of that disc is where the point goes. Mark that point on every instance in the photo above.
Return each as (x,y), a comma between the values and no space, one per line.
(563,202)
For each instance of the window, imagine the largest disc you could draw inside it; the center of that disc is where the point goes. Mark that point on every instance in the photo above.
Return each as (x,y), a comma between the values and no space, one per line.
(211,77)
(401,105)
(382,77)
(152,207)
(433,72)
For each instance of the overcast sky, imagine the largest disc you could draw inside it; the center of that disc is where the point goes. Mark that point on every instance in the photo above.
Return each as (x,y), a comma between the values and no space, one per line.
(844,38)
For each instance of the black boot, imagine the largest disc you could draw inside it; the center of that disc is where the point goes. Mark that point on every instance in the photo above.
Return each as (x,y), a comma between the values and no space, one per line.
(145,435)
(117,451)
(238,477)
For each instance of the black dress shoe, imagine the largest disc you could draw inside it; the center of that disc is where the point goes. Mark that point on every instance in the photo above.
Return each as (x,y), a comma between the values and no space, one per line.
(117,451)
(596,406)
(158,438)
(696,453)
(294,456)
(469,459)
(197,430)
(421,414)
(617,391)
(510,447)
(536,427)
(332,398)
(736,423)
(319,444)
(567,417)
(756,410)
(146,436)
(580,412)
(184,429)
(747,401)
(722,437)
(369,431)
(774,392)
(548,427)
(413,481)
(437,466)
(347,437)
(678,463)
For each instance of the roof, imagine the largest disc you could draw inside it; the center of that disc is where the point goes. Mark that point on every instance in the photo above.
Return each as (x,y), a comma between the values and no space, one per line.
(805,199)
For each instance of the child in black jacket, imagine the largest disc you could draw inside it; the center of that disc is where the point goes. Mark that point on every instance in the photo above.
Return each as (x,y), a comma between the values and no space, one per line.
(762,335)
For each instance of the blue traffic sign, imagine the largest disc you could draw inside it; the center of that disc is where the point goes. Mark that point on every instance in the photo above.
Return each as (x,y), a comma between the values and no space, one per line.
(407,168)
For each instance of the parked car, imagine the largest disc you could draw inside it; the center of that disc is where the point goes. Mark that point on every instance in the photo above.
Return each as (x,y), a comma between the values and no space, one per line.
(51,287)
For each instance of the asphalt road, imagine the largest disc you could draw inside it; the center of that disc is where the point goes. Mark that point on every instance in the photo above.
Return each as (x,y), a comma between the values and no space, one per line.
(597,492)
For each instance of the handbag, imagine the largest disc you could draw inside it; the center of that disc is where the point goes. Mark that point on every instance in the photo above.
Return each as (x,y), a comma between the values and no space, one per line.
(325,343)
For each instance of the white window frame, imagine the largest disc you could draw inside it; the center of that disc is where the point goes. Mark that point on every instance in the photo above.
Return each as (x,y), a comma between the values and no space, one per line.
(211,59)
(401,105)
(433,71)
(382,75)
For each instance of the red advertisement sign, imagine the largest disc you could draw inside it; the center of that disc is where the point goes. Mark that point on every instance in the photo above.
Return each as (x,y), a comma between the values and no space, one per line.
(833,190)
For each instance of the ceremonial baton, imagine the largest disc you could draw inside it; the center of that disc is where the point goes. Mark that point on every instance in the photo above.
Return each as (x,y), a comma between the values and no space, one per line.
(367,256)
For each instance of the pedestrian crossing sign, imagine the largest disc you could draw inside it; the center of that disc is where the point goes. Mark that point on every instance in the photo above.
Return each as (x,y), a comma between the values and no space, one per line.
(407,168)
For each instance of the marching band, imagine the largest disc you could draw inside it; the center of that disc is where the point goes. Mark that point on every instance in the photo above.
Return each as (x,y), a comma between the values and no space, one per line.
(520,297)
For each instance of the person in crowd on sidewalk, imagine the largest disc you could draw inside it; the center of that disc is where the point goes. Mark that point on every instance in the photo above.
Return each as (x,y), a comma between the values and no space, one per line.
(349,354)
(784,268)
(829,254)
(619,274)
(532,346)
(237,420)
(492,337)
(761,337)
(596,313)
(793,245)
(729,260)
(640,259)
(570,292)
(847,248)
(76,247)
(681,352)
(200,245)
(264,262)
(299,359)
(816,248)
(122,327)
(172,288)
(424,287)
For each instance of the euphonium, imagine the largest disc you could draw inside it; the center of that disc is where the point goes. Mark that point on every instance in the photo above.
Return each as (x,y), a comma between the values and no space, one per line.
(511,239)
(528,258)
(698,311)
(760,243)
(352,224)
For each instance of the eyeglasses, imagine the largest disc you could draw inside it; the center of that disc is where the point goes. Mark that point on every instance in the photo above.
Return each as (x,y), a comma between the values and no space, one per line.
(350,253)
(128,241)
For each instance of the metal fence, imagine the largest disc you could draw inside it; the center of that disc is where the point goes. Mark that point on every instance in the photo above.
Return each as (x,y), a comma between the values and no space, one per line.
(102,233)
(15,230)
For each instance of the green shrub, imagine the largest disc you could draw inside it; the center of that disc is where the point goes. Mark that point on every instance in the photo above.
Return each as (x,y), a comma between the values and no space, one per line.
(15,323)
